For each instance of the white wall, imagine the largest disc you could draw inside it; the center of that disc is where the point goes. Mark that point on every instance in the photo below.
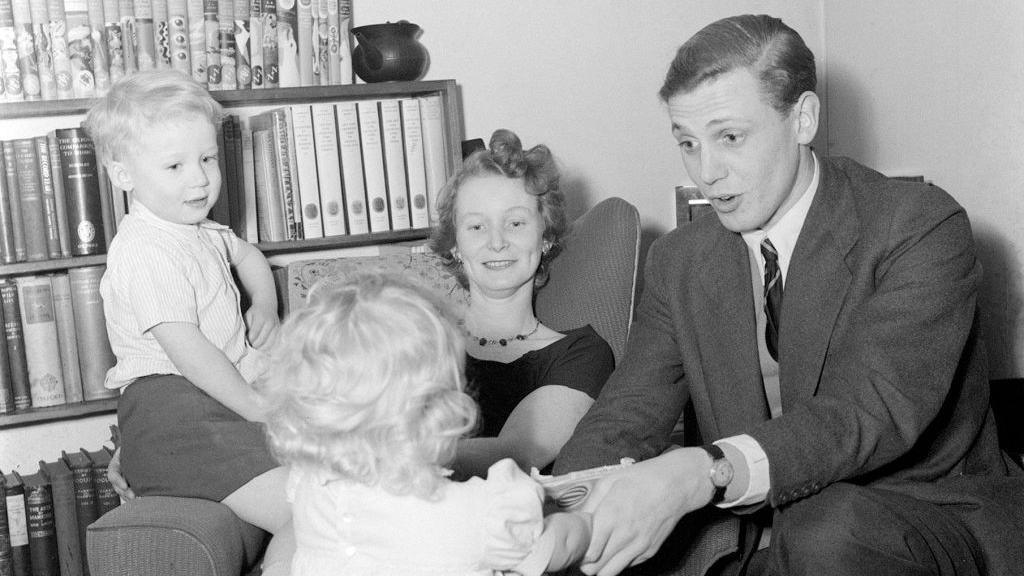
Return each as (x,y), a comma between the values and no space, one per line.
(937,88)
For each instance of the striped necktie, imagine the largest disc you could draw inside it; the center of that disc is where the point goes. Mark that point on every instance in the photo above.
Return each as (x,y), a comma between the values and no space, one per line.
(772,297)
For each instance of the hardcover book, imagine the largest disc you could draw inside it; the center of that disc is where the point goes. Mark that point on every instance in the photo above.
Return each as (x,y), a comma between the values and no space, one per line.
(373,166)
(80,47)
(28,62)
(211,28)
(243,62)
(6,565)
(42,532)
(268,20)
(67,337)
(7,252)
(328,166)
(114,40)
(394,163)
(106,497)
(250,219)
(435,151)
(43,44)
(352,168)
(81,180)
(94,353)
(270,219)
(86,508)
(11,77)
(53,248)
(42,347)
(65,518)
(60,198)
(306,177)
(276,123)
(126,14)
(144,36)
(305,40)
(256,42)
(59,49)
(178,36)
(15,344)
(226,41)
(30,193)
(161,35)
(14,199)
(17,524)
(97,31)
(287,43)
(196,39)
(6,382)
(415,172)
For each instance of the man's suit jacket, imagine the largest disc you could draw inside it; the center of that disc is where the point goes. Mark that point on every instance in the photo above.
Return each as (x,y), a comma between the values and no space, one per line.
(882,370)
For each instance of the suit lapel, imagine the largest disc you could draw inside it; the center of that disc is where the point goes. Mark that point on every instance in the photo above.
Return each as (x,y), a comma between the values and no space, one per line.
(729,365)
(815,289)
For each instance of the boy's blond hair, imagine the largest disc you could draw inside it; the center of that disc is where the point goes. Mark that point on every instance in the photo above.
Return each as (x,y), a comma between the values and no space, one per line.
(367,383)
(140,100)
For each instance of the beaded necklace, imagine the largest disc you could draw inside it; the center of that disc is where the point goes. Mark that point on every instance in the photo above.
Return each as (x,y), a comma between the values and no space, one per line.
(500,341)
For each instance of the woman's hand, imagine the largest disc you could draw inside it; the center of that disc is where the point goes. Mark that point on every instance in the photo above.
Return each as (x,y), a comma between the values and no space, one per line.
(116,479)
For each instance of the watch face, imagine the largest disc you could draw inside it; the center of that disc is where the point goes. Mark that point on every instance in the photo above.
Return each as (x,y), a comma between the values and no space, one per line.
(721,473)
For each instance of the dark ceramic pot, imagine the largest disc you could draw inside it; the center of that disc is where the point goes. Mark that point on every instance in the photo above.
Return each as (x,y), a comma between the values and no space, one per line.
(388,52)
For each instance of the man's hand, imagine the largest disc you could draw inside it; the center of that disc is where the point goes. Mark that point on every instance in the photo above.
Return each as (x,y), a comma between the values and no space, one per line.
(262,325)
(636,508)
(116,479)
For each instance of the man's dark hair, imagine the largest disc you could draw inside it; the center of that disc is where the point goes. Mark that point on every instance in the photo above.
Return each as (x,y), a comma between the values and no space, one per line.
(772,51)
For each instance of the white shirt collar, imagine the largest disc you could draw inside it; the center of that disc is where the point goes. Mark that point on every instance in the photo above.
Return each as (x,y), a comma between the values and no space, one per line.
(785,232)
(147,215)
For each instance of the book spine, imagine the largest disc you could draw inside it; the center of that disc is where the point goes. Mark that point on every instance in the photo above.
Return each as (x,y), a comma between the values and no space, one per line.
(100,59)
(394,163)
(321,44)
(94,354)
(86,509)
(226,42)
(328,165)
(6,563)
(65,520)
(64,313)
(373,166)
(161,36)
(434,149)
(271,68)
(43,44)
(129,35)
(271,225)
(42,347)
(178,29)
(81,179)
(42,531)
(79,34)
(106,207)
(60,199)
(306,170)
(197,40)
(6,381)
(229,180)
(243,46)
(113,37)
(344,69)
(59,48)
(305,41)
(17,523)
(11,88)
(286,174)
(250,224)
(30,192)
(415,172)
(106,497)
(14,199)
(352,168)
(28,64)
(211,29)
(49,197)
(145,42)
(256,42)
(7,254)
(15,338)
(287,43)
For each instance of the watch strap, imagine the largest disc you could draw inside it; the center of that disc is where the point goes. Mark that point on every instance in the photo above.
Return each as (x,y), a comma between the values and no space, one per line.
(716,454)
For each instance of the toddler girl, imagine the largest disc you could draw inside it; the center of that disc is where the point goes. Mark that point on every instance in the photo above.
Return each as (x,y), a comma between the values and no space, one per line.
(365,403)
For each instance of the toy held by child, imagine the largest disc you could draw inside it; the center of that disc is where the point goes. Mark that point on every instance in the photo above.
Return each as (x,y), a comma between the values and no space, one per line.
(365,403)
(186,354)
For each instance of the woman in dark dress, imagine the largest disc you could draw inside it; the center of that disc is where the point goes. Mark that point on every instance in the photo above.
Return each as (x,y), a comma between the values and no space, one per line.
(501,218)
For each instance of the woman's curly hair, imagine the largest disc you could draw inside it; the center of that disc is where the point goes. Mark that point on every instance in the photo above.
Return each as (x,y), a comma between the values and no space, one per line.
(505,157)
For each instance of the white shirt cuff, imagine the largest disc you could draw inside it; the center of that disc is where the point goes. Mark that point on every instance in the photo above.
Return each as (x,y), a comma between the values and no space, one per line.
(757,464)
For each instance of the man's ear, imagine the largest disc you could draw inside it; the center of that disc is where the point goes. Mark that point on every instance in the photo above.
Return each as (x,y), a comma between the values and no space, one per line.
(807,109)
(120,176)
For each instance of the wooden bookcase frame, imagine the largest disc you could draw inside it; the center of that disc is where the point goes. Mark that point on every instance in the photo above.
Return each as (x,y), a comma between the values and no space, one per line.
(233,100)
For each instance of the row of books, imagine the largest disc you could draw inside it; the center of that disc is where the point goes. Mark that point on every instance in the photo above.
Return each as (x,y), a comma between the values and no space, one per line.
(54,348)
(57,49)
(44,514)
(308,171)
(54,198)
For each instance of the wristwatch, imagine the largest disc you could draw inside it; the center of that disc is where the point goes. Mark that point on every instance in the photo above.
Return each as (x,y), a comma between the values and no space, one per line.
(721,472)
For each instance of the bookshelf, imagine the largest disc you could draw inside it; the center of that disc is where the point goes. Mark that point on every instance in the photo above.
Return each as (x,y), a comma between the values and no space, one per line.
(27,117)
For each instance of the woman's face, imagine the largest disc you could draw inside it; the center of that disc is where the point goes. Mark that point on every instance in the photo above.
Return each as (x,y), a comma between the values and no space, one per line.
(499,235)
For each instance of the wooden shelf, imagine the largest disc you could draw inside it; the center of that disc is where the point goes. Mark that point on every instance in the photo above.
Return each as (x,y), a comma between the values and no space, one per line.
(22,268)
(62,412)
(330,243)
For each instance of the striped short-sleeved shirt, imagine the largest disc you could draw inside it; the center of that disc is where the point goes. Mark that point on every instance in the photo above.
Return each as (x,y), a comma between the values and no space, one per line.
(159,271)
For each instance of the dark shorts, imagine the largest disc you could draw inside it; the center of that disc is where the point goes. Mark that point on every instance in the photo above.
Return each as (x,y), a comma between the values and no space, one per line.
(176,440)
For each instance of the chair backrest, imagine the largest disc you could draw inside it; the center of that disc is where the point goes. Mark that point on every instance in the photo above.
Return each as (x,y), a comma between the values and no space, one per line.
(593,280)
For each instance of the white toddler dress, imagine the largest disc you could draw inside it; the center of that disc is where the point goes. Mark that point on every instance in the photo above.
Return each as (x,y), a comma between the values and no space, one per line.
(476,528)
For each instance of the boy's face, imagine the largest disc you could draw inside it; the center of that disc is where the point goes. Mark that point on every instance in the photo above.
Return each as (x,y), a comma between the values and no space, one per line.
(172,169)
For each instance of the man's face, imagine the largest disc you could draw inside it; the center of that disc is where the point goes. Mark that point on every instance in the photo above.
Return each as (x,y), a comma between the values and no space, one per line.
(739,150)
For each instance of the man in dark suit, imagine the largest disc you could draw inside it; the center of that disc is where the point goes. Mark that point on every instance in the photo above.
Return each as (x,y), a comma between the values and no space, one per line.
(824,328)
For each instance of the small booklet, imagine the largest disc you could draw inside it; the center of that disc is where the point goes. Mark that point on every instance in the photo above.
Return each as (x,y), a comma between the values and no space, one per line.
(568,491)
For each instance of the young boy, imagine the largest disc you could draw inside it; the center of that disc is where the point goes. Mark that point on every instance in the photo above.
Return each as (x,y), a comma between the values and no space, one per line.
(185,354)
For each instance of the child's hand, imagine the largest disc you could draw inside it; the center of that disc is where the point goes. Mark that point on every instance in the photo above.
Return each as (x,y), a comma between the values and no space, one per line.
(262,325)
(116,478)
